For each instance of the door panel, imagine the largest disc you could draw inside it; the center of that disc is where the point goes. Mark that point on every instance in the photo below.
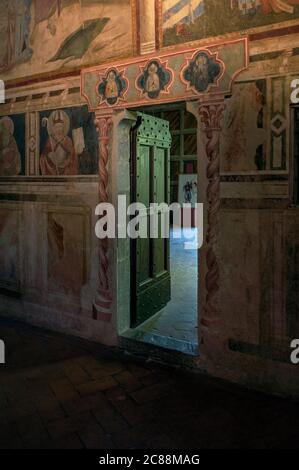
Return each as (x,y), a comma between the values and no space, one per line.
(143,175)
(150,183)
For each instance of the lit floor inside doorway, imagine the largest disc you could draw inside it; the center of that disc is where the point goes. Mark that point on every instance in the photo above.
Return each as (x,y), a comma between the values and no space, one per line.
(176,326)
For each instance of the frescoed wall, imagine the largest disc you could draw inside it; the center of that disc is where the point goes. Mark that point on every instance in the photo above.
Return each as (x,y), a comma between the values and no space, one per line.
(12,145)
(189,20)
(66,252)
(68,142)
(244,136)
(99,30)
(14,33)
(55,259)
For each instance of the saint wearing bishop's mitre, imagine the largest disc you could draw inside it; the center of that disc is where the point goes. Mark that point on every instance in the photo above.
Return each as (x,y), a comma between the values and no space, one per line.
(58,156)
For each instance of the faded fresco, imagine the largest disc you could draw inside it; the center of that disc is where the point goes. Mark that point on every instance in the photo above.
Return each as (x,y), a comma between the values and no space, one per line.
(188,20)
(9,249)
(68,142)
(12,145)
(244,137)
(75,32)
(154,79)
(202,72)
(66,258)
(112,87)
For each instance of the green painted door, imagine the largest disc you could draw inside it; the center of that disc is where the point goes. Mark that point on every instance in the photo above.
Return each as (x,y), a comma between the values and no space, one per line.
(150,183)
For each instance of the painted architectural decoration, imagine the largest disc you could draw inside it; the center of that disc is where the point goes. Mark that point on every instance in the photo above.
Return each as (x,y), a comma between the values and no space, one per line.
(244,138)
(189,20)
(174,76)
(202,71)
(155,78)
(99,30)
(112,87)
(68,143)
(12,145)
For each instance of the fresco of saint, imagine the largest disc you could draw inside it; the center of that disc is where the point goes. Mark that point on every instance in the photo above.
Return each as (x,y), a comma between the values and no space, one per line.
(201,72)
(153,81)
(10,158)
(58,156)
(111,89)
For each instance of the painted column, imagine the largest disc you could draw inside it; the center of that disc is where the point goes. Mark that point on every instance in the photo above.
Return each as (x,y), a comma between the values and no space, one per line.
(147,26)
(210,114)
(103,301)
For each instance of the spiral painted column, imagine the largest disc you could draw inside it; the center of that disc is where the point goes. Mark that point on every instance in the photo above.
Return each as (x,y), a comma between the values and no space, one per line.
(103,301)
(211,115)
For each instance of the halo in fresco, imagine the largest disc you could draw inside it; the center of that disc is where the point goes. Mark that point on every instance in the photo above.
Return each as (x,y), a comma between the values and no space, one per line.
(202,71)
(155,78)
(113,87)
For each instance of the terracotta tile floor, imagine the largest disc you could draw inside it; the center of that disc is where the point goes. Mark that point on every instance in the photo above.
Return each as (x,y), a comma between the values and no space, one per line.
(59,392)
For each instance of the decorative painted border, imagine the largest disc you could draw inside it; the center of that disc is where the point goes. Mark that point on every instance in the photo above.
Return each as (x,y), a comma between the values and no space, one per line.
(164,57)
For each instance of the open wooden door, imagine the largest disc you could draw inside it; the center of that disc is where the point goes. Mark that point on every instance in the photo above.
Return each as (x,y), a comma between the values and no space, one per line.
(150,183)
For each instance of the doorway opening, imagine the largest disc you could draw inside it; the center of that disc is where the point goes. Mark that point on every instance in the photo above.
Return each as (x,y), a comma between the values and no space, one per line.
(164,274)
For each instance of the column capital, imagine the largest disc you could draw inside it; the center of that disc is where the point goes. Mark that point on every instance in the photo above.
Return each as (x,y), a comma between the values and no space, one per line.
(103,123)
(211,115)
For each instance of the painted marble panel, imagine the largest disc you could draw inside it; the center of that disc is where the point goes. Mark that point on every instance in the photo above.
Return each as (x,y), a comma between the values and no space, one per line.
(244,137)
(9,249)
(66,252)
(68,142)
(75,32)
(188,20)
(12,145)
